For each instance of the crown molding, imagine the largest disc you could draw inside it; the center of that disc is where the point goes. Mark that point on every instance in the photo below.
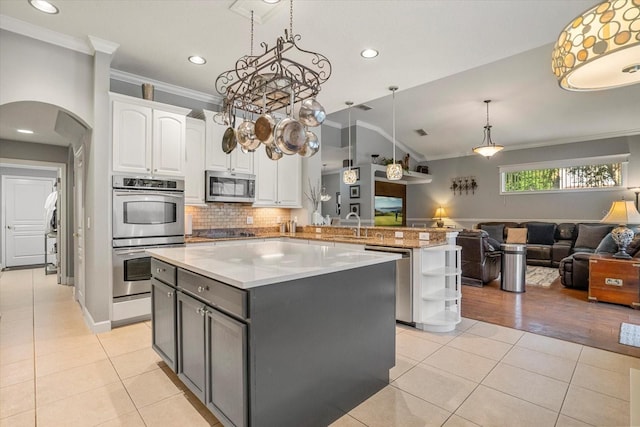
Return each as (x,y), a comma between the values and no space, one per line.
(125,77)
(550,142)
(417,156)
(104,46)
(333,124)
(43,34)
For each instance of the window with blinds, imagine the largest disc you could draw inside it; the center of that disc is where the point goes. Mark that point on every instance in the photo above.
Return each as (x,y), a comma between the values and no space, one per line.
(571,175)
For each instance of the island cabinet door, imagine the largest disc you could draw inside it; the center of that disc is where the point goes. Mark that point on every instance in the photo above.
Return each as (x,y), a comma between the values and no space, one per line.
(227,368)
(163,300)
(191,344)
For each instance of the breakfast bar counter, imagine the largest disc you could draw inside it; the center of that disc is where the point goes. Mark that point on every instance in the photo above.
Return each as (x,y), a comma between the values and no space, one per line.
(275,333)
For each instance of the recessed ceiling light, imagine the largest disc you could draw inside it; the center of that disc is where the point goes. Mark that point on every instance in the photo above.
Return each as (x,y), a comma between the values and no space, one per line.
(198,60)
(44,6)
(271,1)
(369,53)
(25,131)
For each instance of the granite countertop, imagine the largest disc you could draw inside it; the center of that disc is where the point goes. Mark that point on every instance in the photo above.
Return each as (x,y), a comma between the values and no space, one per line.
(370,241)
(250,264)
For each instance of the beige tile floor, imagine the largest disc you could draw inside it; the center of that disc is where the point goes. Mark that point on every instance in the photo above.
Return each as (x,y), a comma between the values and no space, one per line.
(55,372)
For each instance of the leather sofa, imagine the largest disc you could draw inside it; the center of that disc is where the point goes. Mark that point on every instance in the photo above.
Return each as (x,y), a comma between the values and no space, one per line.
(574,269)
(549,243)
(480,259)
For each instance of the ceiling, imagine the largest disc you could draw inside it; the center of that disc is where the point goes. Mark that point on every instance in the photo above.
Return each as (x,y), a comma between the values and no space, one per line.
(446,57)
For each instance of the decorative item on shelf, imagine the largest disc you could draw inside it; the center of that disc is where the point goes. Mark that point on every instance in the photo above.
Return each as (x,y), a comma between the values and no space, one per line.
(349,176)
(466,184)
(636,190)
(394,170)
(374,158)
(488,149)
(440,215)
(405,162)
(422,169)
(599,49)
(622,212)
(147,91)
(262,84)
(315,197)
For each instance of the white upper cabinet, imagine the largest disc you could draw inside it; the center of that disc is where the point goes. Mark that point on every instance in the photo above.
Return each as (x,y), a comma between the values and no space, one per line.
(148,137)
(194,162)
(132,138)
(216,158)
(278,181)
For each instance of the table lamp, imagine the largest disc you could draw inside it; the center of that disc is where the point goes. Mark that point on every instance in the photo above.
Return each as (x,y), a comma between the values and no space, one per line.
(439,215)
(622,212)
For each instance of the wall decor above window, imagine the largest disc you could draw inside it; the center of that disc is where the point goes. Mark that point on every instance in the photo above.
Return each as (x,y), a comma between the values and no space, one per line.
(466,184)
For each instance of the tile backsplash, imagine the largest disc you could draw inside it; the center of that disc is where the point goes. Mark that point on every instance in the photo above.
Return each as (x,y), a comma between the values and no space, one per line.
(234,215)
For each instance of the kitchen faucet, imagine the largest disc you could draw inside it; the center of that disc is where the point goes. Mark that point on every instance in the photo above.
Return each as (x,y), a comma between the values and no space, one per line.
(349,215)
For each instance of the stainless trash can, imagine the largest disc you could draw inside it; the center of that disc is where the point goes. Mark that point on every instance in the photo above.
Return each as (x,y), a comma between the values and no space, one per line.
(514,266)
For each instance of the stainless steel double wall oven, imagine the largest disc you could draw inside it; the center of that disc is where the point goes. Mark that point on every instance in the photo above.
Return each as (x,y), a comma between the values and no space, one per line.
(147,212)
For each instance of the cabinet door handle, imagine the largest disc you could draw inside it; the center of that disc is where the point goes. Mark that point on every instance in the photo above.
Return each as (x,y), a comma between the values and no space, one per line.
(203,288)
(155,170)
(201,311)
(148,170)
(169,294)
(160,270)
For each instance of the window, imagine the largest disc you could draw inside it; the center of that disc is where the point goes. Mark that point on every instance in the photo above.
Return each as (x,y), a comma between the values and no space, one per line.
(587,174)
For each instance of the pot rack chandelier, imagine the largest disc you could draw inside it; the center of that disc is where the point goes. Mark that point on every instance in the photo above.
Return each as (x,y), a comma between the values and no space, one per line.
(349,176)
(274,80)
(394,170)
(488,149)
(600,49)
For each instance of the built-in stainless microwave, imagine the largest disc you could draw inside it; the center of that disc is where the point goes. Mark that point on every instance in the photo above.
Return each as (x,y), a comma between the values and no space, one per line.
(223,186)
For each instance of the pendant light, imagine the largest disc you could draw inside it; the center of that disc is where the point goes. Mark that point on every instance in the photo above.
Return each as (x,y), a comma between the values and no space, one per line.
(324,196)
(488,149)
(349,176)
(394,170)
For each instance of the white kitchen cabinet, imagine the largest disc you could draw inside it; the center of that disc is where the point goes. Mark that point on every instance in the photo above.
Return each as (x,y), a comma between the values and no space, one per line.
(278,182)
(437,291)
(148,137)
(194,162)
(216,158)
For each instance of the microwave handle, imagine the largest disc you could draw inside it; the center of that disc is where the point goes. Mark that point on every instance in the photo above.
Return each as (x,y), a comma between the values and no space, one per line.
(148,193)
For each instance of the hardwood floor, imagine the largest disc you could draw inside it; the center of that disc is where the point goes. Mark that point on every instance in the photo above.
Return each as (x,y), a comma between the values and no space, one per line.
(556,312)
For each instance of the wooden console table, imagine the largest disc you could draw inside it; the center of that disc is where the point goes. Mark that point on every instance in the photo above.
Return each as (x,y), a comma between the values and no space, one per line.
(614,280)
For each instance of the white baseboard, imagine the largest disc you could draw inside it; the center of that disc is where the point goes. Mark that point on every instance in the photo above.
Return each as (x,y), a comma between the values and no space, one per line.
(131,309)
(96,328)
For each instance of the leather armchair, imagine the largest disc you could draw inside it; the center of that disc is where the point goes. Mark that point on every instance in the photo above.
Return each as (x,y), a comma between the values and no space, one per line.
(479,265)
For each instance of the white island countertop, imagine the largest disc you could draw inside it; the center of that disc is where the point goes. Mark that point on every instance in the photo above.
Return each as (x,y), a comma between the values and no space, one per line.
(250,264)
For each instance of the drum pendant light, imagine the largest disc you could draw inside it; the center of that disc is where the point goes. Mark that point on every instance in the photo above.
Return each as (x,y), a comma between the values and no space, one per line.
(394,170)
(349,176)
(600,49)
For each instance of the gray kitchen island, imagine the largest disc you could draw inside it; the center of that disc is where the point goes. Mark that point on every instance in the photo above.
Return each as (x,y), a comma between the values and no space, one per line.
(275,333)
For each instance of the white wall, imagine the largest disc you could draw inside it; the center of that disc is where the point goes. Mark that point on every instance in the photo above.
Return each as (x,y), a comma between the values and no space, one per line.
(31,70)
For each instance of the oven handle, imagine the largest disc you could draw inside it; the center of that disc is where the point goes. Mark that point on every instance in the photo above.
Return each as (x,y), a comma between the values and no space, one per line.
(128,251)
(148,193)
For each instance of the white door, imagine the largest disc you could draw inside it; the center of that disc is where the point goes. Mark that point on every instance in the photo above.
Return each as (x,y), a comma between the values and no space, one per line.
(78,225)
(266,175)
(23,203)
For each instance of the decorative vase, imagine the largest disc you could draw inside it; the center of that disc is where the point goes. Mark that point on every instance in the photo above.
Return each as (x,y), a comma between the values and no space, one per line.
(317,218)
